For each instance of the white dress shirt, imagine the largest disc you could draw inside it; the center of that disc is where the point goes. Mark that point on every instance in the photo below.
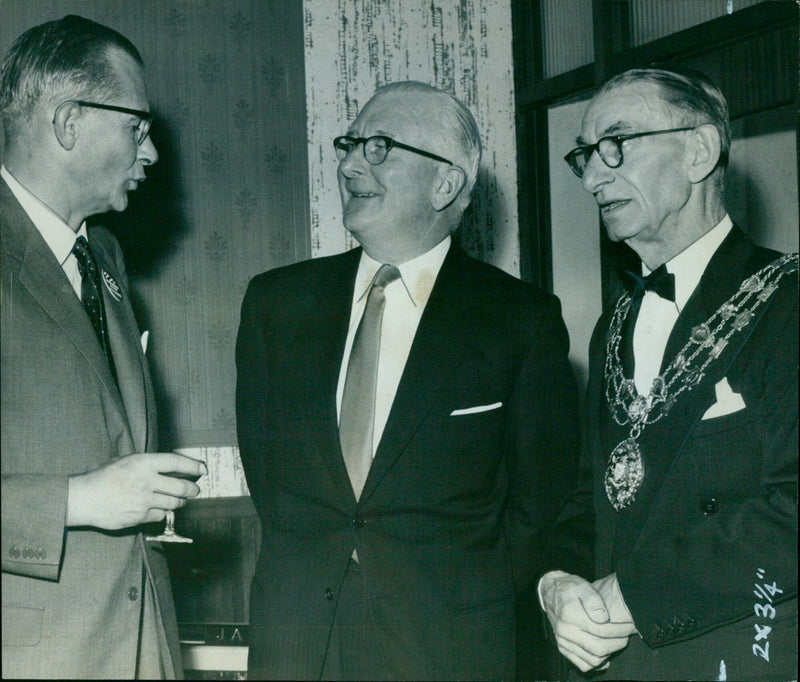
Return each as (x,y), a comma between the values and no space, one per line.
(657,316)
(406,299)
(59,236)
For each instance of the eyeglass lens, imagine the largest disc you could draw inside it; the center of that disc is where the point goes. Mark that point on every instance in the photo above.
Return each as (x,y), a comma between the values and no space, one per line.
(610,151)
(142,130)
(375,148)
(610,148)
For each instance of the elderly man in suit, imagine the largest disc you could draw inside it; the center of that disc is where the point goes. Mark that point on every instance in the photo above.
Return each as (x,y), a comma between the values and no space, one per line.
(83,594)
(406,419)
(691,410)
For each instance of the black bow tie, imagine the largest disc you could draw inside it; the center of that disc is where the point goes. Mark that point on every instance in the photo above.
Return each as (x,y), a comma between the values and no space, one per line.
(659,281)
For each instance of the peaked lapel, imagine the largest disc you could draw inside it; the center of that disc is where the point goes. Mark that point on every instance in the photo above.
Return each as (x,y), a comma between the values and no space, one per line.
(42,276)
(721,279)
(437,350)
(132,375)
(318,345)
(725,272)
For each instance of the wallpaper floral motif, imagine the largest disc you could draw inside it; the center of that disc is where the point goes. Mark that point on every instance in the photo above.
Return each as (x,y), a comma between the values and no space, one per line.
(248,95)
(461,46)
(228,197)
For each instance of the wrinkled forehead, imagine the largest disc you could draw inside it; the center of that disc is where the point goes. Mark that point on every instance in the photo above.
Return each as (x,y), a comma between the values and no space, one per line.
(630,108)
(405,116)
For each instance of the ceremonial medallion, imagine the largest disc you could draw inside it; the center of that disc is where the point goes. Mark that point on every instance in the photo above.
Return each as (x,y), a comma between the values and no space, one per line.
(624,474)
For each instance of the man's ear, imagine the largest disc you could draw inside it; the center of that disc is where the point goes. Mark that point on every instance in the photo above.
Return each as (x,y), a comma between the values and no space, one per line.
(450,184)
(65,124)
(703,151)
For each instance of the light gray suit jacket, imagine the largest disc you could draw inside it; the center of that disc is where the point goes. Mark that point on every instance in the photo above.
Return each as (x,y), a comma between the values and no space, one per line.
(73,599)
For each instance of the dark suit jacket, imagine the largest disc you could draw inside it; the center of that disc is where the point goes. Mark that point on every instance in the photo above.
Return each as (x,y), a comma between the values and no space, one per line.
(71,598)
(716,516)
(454,506)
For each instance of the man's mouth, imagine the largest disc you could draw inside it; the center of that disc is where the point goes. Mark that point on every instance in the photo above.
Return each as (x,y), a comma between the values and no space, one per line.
(609,206)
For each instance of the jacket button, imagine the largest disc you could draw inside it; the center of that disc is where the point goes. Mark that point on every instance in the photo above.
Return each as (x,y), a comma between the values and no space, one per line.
(40,553)
(14,552)
(709,506)
(133,594)
(358,522)
(27,553)
(329,594)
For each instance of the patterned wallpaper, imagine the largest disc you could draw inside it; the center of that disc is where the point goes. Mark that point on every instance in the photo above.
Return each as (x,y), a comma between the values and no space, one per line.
(461,46)
(231,82)
(228,197)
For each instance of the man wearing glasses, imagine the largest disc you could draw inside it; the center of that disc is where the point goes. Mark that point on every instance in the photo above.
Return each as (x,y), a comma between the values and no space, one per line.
(407,422)
(83,595)
(691,410)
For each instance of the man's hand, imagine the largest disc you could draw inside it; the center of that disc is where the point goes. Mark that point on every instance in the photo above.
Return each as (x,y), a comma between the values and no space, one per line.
(584,625)
(608,589)
(131,490)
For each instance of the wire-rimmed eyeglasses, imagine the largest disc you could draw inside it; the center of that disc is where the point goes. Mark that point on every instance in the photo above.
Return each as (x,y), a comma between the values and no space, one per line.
(145,117)
(609,148)
(377,147)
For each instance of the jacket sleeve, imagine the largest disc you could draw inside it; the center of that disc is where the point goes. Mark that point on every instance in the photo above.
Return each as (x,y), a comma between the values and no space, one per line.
(571,539)
(251,377)
(34,509)
(543,440)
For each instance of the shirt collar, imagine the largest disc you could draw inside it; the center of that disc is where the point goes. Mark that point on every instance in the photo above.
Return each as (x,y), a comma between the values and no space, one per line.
(59,236)
(417,275)
(689,265)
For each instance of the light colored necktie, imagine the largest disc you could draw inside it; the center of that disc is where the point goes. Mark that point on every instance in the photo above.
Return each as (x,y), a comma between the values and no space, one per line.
(357,413)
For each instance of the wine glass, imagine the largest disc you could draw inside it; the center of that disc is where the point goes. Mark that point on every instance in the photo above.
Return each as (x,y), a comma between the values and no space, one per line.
(169,534)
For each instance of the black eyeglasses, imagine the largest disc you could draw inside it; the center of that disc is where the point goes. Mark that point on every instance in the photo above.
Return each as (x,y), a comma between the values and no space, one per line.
(145,117)
(376,148)
(609,148)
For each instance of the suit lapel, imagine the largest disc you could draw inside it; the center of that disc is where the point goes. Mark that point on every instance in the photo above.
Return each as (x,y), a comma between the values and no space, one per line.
(318,345)
(42,276)
(129,360)
(436,352)
(721,279)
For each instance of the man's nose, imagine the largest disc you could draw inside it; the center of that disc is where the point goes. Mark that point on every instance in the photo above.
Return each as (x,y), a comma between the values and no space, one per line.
(148,154)
(354,161)
(596,173)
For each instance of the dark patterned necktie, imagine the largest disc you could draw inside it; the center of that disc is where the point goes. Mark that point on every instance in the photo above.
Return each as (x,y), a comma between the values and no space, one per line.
(357,414)
(92,297)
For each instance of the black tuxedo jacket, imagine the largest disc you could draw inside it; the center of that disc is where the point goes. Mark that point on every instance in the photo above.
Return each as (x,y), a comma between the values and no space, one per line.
(452,513)
(715,519)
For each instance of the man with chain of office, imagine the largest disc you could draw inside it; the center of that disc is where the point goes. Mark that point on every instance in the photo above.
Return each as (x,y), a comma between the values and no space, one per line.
(691,410)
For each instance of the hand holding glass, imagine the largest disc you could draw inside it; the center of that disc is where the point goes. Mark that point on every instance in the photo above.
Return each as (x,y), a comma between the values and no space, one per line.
(169,534)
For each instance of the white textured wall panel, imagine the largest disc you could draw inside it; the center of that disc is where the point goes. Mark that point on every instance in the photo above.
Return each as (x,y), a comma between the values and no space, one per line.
(461,46)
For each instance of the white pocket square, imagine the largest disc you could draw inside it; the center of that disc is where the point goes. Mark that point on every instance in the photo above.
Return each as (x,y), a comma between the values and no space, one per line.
(727,401)
(476,409)
(145,337)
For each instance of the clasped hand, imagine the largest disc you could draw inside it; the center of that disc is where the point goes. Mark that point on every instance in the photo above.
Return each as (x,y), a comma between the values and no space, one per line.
(131,490)
(590,620)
